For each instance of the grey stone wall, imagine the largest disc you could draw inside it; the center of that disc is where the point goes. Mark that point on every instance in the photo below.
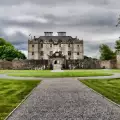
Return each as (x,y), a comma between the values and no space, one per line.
(44,64)
(108,64)
(30,64)
(68,64)
(63,48)
(83,64)
(5,64)
(118,59)
(55,44)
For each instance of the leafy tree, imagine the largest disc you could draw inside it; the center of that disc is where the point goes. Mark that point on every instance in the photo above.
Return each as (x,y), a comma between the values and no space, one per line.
(20,55)
(8,51)
(117,45)
(106,52)
(86,57)
(3,42)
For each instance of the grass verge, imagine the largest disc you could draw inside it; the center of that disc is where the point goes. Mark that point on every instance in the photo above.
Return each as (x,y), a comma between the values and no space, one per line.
(109,88)
(12,92)
(66,73)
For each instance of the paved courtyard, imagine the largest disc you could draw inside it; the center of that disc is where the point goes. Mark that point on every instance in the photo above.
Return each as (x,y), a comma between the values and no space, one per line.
(65,99)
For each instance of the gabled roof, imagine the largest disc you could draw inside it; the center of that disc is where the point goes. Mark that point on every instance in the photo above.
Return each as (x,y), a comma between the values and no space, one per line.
(57,39)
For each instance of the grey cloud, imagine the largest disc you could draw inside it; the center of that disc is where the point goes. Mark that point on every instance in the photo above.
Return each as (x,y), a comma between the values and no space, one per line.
(54,2)
(96,22)
(92,48)
(19,40)
(23,46)
(41,2)
(91,18)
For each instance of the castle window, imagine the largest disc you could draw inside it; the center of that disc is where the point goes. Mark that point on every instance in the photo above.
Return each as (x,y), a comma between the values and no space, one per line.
(59,45)
(41,45)
(41,41)
(32,53)
(69,45)
(60,52)
(50,40)
(69,53)
(50,45)
(77,53)
(41,53)
(77,45)
(51,52)
(32,45)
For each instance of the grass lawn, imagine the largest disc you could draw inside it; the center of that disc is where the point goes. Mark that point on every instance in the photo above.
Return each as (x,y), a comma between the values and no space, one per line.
(48,73)
(12,92)
(110,88)
(115,70)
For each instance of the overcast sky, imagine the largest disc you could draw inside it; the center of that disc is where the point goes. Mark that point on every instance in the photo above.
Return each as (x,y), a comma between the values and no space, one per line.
(91,20)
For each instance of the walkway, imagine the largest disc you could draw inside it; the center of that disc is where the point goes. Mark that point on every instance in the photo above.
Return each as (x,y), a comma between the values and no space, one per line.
(65,99)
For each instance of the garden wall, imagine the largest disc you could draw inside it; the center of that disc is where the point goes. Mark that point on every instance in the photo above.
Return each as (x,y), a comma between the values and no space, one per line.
(108,64)
(44,64)
(5,64)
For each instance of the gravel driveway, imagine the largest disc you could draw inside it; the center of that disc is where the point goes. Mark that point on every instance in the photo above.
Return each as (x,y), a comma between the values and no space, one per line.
(65,99)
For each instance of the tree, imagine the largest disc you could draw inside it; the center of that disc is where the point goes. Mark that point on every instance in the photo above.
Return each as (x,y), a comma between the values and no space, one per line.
(8,51)
(3,42)
(20,55)
(106,52)
(117,45)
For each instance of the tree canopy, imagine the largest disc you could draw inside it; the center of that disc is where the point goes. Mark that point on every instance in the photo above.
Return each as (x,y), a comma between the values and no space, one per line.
(117,45)
(106,52)
(9,52)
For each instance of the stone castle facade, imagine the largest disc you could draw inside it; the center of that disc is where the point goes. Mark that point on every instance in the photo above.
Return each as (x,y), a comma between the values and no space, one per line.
(45,46)
(57,50)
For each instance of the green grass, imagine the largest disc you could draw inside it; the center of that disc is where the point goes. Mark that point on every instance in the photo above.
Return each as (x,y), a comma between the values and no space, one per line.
(115,70)
(12,92)
(108,88)
(48,73)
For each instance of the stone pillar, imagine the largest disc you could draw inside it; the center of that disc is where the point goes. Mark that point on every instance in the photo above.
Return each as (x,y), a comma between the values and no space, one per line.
(118,59)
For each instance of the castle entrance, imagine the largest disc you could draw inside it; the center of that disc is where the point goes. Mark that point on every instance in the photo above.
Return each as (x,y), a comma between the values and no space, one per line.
(57,64)
(57,60)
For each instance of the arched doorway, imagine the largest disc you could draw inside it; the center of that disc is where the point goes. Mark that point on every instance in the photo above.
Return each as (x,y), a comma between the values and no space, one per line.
(55,62)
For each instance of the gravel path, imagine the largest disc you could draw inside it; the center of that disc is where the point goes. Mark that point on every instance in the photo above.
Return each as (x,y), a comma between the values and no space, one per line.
(65,99)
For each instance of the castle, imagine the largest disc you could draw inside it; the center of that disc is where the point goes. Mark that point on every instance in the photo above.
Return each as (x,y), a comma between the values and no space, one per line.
(55,50)
(58,52)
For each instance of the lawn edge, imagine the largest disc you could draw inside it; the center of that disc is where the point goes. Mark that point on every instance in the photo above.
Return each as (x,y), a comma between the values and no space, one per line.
(101,94)
(22,101)
(106,75)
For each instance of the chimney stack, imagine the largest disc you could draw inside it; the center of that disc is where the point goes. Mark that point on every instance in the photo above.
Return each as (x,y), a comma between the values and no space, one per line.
(48,33)
(61,33)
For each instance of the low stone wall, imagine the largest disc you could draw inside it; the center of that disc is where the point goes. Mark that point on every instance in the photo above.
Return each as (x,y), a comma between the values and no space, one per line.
(108,64)
(83,64)
(69,64)
(24,64)
(30,64)
(5,64)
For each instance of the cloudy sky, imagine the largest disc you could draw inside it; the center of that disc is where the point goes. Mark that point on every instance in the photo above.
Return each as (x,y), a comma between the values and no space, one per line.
(91,20)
